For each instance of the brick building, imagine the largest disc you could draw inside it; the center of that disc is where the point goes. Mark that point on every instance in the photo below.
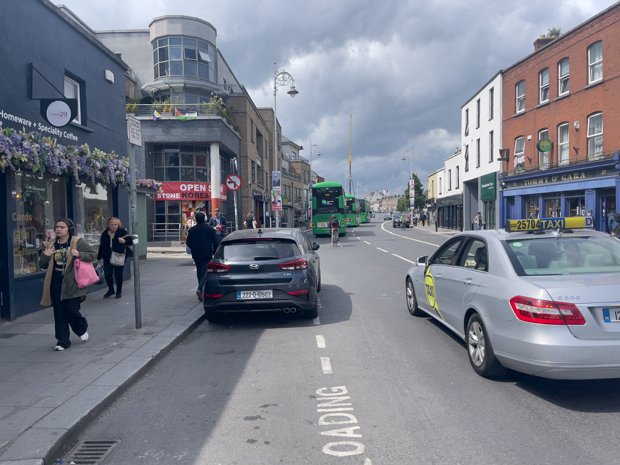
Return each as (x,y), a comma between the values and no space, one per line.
(557,157)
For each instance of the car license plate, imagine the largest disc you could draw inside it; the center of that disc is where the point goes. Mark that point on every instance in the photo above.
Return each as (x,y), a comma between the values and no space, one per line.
(255,295)
(322,225)
(611,314)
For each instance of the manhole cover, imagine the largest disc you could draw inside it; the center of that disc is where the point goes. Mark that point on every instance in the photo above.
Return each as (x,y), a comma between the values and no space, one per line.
(90,452)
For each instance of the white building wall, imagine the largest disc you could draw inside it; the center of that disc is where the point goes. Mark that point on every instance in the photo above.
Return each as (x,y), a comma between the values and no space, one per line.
(453,176)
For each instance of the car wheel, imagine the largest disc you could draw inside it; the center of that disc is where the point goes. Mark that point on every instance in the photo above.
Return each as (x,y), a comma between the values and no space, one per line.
(480,350)
(212,317)
(314,311)
(412,301)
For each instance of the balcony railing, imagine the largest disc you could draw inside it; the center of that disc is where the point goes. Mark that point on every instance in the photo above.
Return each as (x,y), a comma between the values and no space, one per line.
(173,111)
(532,167)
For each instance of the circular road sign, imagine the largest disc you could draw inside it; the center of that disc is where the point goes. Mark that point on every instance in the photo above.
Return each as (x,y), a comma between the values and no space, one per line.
(233,182)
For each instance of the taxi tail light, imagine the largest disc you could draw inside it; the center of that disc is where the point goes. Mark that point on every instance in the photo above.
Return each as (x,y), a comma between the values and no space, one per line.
(546,312)
(299,264)
(214,267)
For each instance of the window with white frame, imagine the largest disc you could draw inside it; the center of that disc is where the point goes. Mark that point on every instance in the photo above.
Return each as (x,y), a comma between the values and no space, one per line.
(467,121)
(543,83)
(543,157)
(449,180)
(477,153)
(520,97)
(563,77)
(595,62)
(491,102)
(519,160)
(478,113)
(563,147)
(457,177)
(491,146)
(72,90)
(466,158)
(595,135)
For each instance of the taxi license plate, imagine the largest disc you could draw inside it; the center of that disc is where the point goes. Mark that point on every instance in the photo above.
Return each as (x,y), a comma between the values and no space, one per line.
(611,314)
(255,295)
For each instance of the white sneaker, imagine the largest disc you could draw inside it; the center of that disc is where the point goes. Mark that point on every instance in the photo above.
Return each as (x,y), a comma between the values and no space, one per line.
(58,348)
(84,337)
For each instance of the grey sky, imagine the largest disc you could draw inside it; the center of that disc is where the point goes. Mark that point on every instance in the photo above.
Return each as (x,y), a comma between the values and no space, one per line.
(401,68)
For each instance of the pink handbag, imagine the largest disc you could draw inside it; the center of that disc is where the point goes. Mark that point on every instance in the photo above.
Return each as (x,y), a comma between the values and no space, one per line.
(85,273)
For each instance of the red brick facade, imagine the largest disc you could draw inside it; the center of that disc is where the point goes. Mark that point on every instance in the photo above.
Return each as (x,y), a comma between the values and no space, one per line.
(573,108)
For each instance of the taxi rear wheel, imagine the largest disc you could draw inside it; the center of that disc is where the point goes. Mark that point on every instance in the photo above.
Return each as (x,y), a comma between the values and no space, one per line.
(412,301)
(480,350)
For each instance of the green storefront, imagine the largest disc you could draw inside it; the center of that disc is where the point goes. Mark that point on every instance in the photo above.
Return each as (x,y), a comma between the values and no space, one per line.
(488,195)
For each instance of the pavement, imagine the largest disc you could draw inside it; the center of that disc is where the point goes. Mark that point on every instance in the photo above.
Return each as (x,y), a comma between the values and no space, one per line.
(46,396)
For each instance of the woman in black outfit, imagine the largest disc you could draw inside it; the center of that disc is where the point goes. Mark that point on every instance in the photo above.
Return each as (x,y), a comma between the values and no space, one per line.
(116,239)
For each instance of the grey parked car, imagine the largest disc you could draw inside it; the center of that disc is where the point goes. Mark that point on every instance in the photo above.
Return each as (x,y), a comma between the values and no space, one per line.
(261,270)
(542,302)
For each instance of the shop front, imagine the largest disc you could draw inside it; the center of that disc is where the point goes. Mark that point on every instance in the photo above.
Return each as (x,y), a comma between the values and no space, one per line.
(450,212)
(590,190)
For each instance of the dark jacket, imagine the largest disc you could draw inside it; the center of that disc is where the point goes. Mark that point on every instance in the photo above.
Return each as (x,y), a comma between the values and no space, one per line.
(105,252)
(201,240)
(214,221)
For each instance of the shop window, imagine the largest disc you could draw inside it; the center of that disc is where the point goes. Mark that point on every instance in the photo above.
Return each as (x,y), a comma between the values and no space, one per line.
(93,207)
(35,205)
(576,206)
(553,208)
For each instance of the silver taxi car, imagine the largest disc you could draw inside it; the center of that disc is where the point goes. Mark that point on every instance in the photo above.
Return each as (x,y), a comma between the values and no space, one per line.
(541,297)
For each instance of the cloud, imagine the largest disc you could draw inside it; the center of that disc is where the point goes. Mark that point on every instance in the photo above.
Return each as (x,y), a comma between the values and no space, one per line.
(402,68)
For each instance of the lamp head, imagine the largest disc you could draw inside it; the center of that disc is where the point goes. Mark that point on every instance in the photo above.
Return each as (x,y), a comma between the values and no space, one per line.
(292,91)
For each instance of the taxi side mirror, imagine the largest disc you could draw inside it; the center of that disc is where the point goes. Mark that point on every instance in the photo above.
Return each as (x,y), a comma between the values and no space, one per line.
(422,261)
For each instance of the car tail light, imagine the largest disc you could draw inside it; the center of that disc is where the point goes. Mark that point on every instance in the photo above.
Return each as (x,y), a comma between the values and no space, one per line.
(215,267)
(213,296)
(299,292)
(546,312)
(299,264)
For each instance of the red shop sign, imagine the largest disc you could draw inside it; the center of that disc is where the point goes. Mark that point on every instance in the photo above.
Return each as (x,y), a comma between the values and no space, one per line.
(184,190)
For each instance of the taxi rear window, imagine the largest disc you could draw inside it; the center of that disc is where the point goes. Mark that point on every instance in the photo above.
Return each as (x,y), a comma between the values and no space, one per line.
(551,255)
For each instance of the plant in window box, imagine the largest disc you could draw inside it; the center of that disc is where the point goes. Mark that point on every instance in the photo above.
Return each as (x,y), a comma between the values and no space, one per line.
(149,184)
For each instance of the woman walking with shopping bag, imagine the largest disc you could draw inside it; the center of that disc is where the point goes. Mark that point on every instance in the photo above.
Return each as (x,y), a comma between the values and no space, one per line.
(60,288)
(113,251)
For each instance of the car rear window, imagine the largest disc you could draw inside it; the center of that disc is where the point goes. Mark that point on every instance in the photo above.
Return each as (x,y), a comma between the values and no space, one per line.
(564,255)
(257,249)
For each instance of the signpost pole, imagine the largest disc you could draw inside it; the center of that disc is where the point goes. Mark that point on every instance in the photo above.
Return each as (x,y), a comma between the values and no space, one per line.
(135,141)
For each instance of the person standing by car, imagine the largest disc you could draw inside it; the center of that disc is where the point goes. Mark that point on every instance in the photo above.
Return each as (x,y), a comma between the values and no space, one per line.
(219,223)
(202,241)
(114,240)
(60,287)
(334,228)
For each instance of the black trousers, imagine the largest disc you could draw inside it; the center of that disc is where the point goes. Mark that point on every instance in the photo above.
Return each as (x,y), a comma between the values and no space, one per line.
(113,273)
(66,314)
(201,269)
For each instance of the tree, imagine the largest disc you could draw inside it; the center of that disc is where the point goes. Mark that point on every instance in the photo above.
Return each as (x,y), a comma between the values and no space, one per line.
(420,197)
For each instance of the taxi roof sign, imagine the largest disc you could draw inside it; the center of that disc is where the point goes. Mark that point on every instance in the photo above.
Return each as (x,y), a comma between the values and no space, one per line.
(549,224)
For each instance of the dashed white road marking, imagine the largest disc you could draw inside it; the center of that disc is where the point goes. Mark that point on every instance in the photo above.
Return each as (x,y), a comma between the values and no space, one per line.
(326,366)
(382,250)
(366,242)
(403,258)
(320,341)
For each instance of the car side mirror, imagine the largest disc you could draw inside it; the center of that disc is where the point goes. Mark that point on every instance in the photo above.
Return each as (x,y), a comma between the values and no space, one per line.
(315,246)
(422,261)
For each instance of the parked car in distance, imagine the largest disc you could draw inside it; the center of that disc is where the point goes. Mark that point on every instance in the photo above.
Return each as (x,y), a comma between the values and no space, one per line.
(387,217)
(542,300)
(398,221)
(262,270)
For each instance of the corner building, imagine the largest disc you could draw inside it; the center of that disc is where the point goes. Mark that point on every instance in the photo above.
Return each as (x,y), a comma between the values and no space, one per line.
(560,111)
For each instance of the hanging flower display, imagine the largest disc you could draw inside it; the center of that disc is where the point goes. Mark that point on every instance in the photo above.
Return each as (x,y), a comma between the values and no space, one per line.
(31,151)
(150,184)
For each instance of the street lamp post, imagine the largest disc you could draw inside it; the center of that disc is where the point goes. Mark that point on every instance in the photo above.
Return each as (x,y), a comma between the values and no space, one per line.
(318,154)
(411,194)
(279,79)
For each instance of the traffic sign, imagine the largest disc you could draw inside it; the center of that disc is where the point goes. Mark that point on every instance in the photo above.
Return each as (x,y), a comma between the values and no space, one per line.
(233,182)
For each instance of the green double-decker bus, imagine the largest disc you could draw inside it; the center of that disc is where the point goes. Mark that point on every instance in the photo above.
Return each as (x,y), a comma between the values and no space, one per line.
(328,200)
(353,211)
(364,207)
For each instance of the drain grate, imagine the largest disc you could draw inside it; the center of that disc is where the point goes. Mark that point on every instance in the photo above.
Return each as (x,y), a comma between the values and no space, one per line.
(90,452)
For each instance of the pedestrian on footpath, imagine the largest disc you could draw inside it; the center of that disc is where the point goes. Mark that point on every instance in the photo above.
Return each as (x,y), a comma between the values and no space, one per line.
(478,221)
(248,222)
(60,287)
(114,239)
(202,242)
(219,223)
